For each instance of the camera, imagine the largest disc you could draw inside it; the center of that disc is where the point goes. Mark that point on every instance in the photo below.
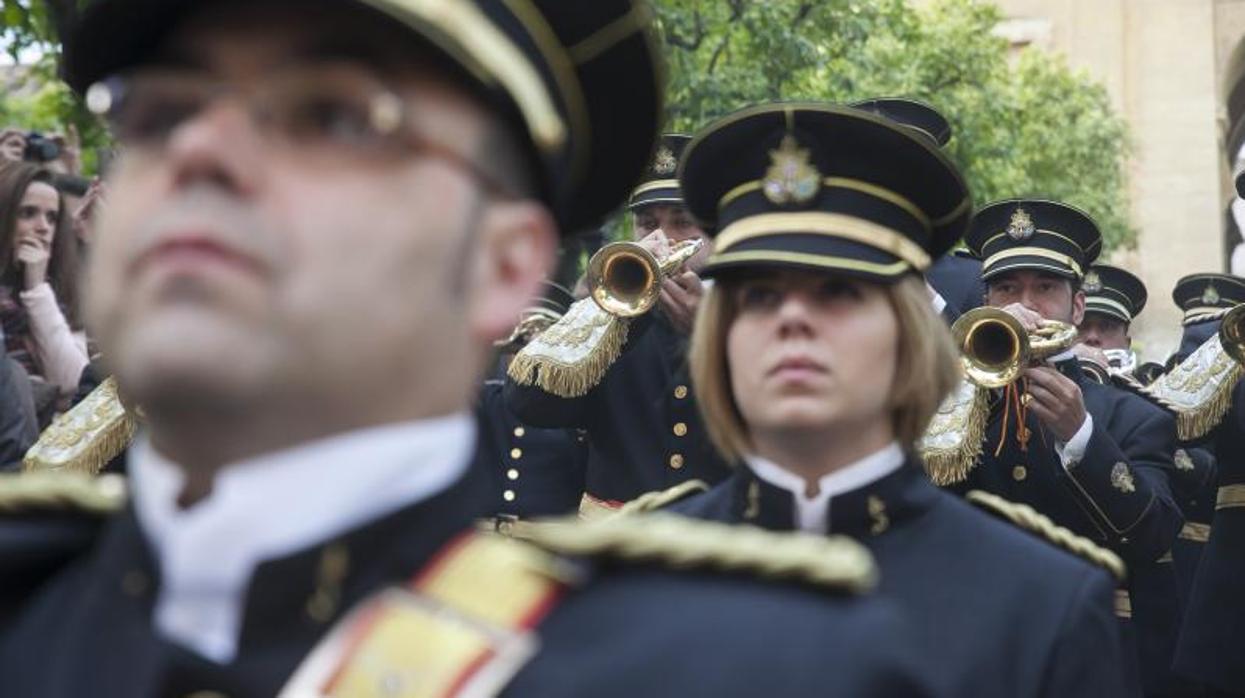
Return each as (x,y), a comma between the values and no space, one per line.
(40,148)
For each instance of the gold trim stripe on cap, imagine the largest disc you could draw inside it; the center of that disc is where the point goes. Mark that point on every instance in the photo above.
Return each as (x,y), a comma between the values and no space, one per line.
(1032,252)
(1230,497)
(835,225)
(1041,231)
(611,34)
(656,184)
(825,261)
(563,69)
(842,183)
(1099,300)
(488,50)
(965,206)
(1203,310)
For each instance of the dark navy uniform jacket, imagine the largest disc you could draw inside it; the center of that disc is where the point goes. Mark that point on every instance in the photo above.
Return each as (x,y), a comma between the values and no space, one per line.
(1119,496)
(997,611)
(632,631)
(957,278)
(535,472)
(644,431)
(1212,640)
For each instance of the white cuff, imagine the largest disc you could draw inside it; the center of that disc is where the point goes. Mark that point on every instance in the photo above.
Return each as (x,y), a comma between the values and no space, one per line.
(1072,452)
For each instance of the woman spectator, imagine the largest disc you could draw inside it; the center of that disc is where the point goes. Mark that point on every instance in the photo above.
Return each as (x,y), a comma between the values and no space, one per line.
(38,282)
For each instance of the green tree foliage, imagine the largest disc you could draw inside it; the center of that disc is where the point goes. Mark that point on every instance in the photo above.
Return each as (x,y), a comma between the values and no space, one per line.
(1025,124)
(34,98)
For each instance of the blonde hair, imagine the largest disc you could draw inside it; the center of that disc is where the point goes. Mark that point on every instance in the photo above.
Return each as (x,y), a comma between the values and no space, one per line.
(927,366)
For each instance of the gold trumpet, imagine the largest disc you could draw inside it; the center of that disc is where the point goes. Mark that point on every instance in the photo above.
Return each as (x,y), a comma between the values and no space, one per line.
(995,348)
(624,278)
(1232,333)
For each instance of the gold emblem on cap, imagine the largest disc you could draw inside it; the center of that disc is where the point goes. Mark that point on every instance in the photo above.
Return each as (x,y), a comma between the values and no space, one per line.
(1211,295)
(665,162)
(1093,283)
(791,179)
(1021,227)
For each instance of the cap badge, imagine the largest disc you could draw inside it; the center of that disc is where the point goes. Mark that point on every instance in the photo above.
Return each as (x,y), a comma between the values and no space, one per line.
(1211,295)
(791,179)
(665,163)
(1093,283)
(1021,227)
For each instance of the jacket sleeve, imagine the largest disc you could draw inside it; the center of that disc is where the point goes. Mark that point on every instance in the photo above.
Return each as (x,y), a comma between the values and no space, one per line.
(62,352)
(19,427)
(540,408)
(1123,479)
(1088,657)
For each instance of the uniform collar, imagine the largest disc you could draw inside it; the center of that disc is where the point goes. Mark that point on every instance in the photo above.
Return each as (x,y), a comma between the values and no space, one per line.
(776,498)
(208,553)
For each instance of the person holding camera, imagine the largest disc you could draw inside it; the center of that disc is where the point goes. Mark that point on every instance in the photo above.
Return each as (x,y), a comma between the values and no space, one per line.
(38,283)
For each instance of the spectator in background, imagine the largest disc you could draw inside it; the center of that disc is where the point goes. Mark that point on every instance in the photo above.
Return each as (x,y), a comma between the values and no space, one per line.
(12,144)
(38,284)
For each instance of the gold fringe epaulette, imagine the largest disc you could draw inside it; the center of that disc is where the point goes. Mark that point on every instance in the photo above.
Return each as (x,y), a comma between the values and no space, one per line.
(22,493)
(652,501)
(87,437)
(571,357)
(826,562)
(952,442)
(1198,390)
(1026,517)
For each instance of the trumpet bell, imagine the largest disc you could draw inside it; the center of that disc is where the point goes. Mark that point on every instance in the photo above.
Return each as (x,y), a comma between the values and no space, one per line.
(1232,333)
(625,279)
(994,347)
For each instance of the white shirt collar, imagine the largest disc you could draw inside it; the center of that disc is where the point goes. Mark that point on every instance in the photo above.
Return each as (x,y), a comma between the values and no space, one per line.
(208,553)
(813,513)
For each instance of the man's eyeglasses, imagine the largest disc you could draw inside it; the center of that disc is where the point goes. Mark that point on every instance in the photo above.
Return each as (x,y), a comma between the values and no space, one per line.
(340,112)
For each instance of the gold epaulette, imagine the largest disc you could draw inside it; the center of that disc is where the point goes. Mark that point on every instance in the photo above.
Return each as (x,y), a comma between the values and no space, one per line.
(87,437)
(952,442)
(572,355)
(22,493)
(828,562)
(1026,517)
(1198,390)
(652,501)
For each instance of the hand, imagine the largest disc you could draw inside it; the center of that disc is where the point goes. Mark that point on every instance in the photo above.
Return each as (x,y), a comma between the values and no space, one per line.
(1092,353)
(679,298)
(83,215)
(71,150)
(1056,400)
(657,243)
(1030,320)
(34,255)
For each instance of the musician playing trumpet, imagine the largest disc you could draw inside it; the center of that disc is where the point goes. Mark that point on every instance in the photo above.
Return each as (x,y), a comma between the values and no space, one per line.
(635,400)
(1094,458)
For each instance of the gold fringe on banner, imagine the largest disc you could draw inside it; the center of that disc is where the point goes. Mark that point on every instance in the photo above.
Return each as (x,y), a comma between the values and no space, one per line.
(952,443)
(1198,390)
(571,357)
(86,437)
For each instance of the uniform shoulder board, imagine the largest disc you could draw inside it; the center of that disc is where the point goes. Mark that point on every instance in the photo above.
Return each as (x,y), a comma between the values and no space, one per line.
(832,563)
(1026,517)
(652,501)
(27,493)
(87,437)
